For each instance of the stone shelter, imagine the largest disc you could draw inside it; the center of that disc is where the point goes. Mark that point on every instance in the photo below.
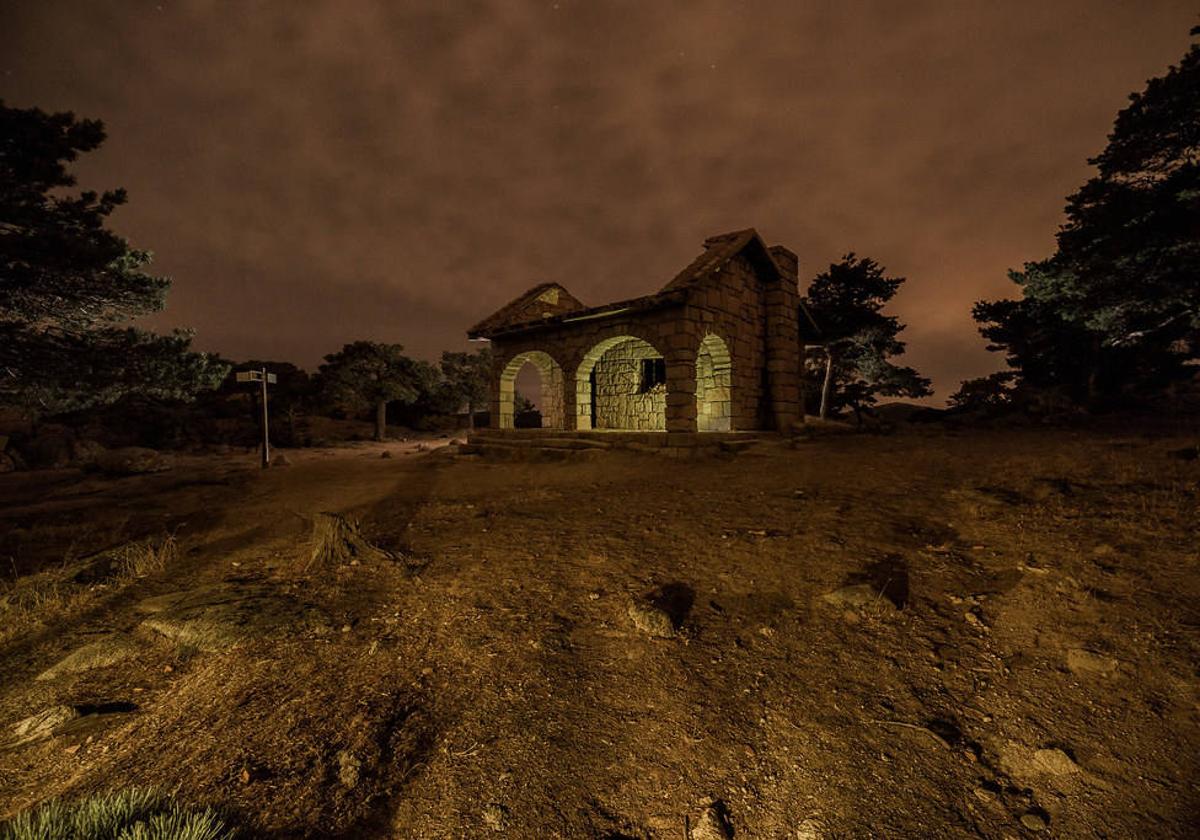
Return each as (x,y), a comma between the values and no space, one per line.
(717,349)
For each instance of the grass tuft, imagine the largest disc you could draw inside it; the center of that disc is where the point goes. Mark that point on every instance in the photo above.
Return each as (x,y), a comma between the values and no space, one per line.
(130,814)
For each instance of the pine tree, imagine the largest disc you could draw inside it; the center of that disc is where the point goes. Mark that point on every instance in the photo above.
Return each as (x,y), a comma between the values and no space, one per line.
(1117,306)
(847,300)
(69,286)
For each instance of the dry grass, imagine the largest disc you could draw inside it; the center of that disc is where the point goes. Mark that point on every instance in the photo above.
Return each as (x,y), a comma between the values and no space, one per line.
(55,594)
(145,557)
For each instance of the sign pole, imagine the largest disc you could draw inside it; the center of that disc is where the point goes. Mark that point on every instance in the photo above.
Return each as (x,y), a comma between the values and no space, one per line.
(266,449)
(265,378)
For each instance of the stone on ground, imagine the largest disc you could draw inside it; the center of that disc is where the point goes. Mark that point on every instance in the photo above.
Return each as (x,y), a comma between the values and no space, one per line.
(349,768)
(1034,821)
(214,618)
(98,654)
(712,825)
(45,724)
(1054,762)
(1081,661)
(133,460)
(856,595)
(495,816)
(650,619)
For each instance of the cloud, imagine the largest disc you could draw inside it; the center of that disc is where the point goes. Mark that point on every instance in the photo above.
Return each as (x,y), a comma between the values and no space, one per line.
(310,173)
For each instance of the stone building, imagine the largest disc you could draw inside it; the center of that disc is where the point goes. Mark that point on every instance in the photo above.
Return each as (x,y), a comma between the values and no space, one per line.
(717,349)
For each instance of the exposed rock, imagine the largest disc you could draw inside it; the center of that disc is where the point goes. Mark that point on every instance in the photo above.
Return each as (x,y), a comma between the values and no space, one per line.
(218,617)
(85,453)
(349,768)
(651,619)
(133,460)
(43,725)
(387,453)
(1030,765)
(1035,820)
(1081,662)
(1054,762)
(98,654)
(855,595)
(713,824)
(495,816)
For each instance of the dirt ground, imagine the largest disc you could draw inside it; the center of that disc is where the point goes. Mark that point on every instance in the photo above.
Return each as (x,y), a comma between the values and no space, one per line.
(928,634)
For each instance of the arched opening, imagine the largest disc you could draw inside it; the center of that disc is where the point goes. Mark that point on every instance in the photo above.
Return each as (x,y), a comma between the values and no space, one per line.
(714,386)
(621,384)
(550,400)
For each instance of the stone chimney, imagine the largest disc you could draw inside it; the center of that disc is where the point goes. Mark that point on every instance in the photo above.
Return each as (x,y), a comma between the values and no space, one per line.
(787,261)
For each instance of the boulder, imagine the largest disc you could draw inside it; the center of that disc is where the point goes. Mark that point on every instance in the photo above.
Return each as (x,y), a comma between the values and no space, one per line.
(133,460)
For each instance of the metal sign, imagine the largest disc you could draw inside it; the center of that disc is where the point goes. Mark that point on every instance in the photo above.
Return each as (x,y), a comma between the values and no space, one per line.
(265,378)
(255,376)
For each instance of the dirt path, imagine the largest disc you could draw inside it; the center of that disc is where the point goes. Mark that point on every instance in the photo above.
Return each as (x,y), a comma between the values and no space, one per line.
(988,635)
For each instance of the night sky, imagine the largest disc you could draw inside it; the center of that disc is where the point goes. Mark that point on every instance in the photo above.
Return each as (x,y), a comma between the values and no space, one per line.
(310,173)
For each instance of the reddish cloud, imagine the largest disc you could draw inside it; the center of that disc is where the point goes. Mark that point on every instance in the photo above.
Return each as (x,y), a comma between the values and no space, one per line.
(315,173)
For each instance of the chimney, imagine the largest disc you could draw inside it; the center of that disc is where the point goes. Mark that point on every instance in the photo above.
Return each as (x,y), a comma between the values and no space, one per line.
(787,261)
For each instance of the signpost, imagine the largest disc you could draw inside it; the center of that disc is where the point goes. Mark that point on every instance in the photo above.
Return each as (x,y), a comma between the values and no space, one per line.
(265,378)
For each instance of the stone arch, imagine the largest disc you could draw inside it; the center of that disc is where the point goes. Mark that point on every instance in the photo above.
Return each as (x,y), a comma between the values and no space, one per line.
(552,388)
(621,384)
(714,386)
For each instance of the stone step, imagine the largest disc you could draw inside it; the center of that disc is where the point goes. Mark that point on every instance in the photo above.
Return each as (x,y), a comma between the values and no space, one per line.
(543,442)
(523,452)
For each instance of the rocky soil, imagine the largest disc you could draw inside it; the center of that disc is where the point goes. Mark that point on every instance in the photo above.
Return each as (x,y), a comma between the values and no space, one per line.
(974,634)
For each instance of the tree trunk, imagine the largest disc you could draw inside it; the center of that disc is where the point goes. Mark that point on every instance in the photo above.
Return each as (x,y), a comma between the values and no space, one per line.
(380,419)
(803,381)
(470,415)
(827,385)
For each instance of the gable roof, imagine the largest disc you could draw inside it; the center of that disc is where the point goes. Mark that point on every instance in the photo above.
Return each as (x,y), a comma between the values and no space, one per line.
(719,250)
(521,314)
(544,300)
